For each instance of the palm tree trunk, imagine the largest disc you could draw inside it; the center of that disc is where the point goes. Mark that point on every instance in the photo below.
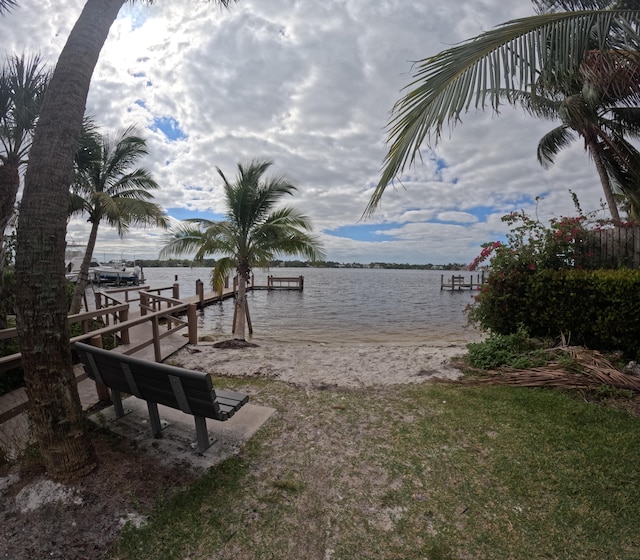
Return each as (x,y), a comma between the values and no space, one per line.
(9,185)
(83,274)
(240,309)
(55,411)
(594,150)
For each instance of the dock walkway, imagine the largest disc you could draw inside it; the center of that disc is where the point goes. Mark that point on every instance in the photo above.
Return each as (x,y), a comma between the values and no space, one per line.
(140,334)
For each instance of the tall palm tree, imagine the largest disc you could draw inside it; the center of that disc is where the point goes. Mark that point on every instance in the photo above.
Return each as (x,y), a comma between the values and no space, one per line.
(252,235)
(23,81)
(41,312)
(594,105)
(107,188)
(525,55)
(22,84)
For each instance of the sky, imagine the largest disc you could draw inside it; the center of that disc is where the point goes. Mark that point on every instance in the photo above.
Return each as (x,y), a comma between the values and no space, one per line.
(310,86)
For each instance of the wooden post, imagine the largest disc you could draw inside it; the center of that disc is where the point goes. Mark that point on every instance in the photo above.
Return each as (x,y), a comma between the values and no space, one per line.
(144,303)
(101,389)
(235,314)
(124,333)
(301,282)
(155,327)
(246,310)
(269,281)
(200,293)
(226,281)
(192,321)
(176,291)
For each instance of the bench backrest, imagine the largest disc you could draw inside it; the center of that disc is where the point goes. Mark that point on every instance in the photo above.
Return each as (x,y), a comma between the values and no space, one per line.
(183,389)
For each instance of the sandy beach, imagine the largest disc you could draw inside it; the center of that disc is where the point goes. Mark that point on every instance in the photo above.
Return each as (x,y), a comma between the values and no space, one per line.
(318,364)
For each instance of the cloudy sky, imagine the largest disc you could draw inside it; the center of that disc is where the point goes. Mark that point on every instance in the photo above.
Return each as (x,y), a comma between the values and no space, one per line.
(309,85)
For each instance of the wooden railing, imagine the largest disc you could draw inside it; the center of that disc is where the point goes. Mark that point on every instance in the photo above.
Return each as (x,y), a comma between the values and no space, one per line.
(154,308)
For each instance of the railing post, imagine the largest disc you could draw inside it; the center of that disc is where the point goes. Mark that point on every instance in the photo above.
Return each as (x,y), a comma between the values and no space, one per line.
(155,327)
(226,281)
(144,303)
(192,321)
(98,296)
(124,333)
(200,292)
(176,291)
(301,282)
(101,389)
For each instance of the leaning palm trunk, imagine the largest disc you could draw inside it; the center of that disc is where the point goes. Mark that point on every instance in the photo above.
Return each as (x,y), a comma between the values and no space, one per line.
(605,181)
(83,274)
(55,410)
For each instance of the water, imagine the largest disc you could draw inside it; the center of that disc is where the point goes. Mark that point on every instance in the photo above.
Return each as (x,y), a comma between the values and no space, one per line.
(339,305)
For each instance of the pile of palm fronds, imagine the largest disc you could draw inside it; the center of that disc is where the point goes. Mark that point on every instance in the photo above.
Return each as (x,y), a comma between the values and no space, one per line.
(579,368)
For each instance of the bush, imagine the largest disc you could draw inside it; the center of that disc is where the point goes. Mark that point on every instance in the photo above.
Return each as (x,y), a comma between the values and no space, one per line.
(515,350)
(537,281)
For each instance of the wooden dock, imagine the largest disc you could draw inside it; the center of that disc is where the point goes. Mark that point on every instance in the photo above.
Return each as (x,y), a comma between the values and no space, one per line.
(458,282)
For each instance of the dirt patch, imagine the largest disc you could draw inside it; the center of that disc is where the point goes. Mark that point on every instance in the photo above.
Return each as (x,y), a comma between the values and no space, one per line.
(81,521)
(234,343)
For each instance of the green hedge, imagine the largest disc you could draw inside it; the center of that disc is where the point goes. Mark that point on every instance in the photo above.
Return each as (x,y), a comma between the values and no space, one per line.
(597,308)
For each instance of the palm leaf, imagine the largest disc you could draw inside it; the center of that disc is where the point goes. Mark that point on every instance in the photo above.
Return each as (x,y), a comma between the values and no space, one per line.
(491,69)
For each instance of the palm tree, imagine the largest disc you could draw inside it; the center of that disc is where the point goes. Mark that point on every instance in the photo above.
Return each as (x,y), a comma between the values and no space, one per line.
(22,85)
(108,189)
(595,106)
(41,312)
(7,5)
(252,234)
(528,55)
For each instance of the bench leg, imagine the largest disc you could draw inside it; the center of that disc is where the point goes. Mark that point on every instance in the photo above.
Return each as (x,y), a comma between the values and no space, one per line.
(117,403)
(202,434)
(154,418)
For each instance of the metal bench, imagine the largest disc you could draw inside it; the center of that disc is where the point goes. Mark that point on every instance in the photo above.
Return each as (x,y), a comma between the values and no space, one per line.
(191,392)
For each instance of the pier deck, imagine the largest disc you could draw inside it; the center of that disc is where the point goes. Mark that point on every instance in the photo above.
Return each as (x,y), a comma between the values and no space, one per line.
(458,282)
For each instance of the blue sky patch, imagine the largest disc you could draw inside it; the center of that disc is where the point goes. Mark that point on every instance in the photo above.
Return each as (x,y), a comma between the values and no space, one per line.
(184,214)
(169,127)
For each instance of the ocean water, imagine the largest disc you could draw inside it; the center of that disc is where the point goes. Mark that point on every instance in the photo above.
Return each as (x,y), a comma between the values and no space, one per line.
(340,305)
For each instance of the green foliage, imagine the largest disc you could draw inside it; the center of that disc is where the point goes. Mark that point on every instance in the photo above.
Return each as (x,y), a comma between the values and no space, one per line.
(515,350)
(540,280)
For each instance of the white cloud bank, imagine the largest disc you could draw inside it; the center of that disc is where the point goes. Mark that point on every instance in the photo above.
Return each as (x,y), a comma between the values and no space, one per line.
(310,86)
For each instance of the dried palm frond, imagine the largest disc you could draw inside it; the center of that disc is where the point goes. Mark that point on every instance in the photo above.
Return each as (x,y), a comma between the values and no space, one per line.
(591,370)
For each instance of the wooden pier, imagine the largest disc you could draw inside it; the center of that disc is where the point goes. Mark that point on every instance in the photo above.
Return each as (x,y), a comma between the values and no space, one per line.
(458,282)
(149,323)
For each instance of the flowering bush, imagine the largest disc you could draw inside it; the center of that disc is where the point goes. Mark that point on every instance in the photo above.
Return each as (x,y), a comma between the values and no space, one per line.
(542,279)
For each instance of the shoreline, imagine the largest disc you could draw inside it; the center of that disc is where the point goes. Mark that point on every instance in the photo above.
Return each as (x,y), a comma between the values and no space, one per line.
(321,364)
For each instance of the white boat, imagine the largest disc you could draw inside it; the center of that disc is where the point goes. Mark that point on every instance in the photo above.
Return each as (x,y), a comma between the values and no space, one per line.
(99,273)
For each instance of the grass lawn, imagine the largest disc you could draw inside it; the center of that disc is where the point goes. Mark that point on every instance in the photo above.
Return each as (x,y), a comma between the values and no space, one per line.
(412,472)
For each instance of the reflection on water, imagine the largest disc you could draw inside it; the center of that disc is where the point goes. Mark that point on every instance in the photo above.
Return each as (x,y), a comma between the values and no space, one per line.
(340,305)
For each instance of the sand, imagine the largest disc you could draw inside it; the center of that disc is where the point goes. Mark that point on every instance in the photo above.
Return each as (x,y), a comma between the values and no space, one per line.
(319,364)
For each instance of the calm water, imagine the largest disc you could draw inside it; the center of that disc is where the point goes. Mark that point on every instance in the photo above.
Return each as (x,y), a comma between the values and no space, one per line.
(340,305)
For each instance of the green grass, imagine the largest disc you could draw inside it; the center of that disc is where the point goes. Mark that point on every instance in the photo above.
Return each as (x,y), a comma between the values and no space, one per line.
(433,472)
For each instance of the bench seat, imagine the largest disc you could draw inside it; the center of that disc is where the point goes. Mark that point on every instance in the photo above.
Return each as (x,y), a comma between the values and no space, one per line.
(190,391)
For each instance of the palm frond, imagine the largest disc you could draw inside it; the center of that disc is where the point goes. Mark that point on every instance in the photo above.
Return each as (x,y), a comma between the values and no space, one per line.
(484,71)
(552,143)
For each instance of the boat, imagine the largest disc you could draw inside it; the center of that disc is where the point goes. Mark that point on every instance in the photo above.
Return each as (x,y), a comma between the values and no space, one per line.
(99,273)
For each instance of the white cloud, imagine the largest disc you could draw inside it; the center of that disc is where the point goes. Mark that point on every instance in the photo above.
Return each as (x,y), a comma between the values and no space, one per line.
(310,85)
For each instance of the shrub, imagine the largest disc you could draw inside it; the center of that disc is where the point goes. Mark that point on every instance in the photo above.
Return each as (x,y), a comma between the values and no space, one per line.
(537,280)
